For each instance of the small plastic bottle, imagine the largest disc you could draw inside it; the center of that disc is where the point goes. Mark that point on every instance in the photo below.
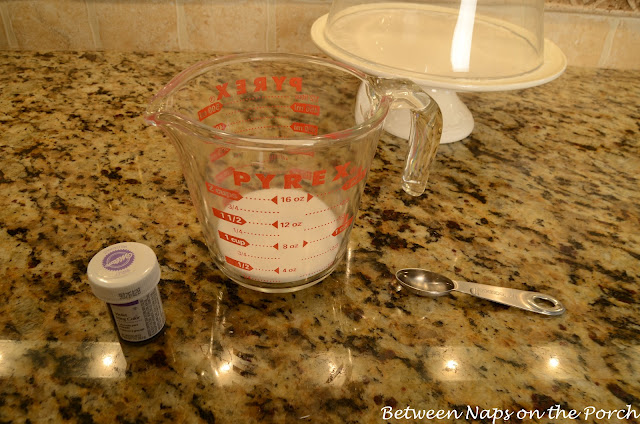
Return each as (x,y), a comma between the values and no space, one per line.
(126,276)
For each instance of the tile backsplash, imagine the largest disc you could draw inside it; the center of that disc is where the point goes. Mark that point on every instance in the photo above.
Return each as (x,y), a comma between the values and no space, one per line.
(593,33)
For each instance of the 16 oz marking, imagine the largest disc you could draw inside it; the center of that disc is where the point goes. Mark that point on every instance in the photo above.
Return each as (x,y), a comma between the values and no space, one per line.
(289,199)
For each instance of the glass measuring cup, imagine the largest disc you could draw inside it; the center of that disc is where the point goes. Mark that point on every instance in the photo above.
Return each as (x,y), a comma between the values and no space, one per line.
(275,149)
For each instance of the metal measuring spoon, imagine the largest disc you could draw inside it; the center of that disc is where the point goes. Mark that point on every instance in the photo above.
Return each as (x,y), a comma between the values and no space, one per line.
(431,284)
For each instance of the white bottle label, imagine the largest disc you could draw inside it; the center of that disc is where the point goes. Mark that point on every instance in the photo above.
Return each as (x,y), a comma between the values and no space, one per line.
(141,319)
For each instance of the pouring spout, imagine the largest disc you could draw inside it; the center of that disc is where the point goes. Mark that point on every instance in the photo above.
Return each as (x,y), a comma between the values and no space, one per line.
(169,112)
(151,118)
(155,108)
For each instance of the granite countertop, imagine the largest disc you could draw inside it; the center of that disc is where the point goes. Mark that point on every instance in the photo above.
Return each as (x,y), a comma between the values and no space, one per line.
(542,196)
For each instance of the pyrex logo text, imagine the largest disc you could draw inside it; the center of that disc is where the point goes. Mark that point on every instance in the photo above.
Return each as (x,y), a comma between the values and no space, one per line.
(353,176)
(259,84)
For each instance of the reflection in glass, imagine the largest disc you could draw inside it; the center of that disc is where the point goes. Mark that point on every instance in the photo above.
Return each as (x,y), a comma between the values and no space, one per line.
(462,36)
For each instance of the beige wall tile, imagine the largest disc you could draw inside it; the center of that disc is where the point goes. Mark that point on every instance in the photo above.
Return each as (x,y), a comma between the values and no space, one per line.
(50,24)
(581,37)
(293,24)
(625,49)
(4,41)
(226,26)
(141,25)
(587,39)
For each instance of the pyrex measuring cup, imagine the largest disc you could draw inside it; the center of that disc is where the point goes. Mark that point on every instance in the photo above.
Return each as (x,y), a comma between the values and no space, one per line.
(275,150)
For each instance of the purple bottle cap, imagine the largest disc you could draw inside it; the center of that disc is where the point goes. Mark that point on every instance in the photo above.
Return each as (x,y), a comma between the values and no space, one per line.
(123,272)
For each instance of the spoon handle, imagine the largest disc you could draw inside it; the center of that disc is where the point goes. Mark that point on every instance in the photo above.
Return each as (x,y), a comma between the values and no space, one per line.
(527,300)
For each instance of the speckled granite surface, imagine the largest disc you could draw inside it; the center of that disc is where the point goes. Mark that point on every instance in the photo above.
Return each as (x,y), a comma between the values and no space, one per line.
(542,196)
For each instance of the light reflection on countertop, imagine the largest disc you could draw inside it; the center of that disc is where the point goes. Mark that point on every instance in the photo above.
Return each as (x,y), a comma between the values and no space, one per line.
(106,360)
(23,358)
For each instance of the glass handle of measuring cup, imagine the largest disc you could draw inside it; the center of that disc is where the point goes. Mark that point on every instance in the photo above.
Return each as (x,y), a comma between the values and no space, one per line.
(425,132)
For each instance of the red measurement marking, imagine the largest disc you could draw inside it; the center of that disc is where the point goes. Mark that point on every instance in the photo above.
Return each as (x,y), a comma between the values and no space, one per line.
(323,253)
(305,128)
(342,227)
(232,239)
(275,246)
(221,126)
(267,127)
(242,265)
(307,175)
(218,153)
(261,118)
(275,200)
(277,270)
(307,108)
(234,219)
(345,201)
(261,223)
(260,234)
(355,180)
(326,193)
(236,111)
(209,110)
(259,198)
(244,99)
(261,257)
(252,210)
(315,241)
(275,224)
(307,97)
(312,154)
(322,225)
(223,192)
(224,174)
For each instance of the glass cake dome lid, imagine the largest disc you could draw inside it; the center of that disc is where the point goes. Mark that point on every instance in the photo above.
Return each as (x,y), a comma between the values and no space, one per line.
(460,39)
(445,46)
